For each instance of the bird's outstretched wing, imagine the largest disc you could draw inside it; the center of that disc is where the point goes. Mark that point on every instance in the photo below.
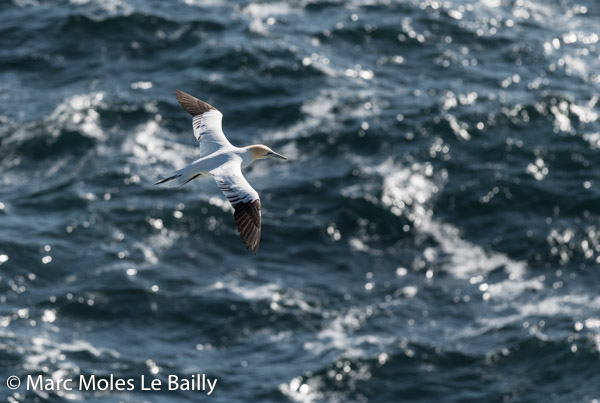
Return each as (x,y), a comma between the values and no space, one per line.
(244,200)
(206,122)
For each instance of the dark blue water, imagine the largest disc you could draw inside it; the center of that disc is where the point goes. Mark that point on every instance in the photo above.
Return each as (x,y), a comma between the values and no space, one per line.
(434,237)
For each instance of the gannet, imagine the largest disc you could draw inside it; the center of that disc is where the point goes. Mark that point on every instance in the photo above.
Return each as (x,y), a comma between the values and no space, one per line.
(224,162)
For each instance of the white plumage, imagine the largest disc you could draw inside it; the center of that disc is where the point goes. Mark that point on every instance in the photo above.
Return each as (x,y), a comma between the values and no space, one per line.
(220,159)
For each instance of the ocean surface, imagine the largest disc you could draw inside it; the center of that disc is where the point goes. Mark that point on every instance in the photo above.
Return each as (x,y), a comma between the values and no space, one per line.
(434,237)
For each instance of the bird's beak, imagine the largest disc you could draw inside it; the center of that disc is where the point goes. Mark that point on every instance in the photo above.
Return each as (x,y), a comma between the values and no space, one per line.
(274,154)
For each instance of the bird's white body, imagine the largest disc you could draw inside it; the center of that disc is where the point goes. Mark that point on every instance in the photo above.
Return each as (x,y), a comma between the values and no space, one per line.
(223,161)
(205,166)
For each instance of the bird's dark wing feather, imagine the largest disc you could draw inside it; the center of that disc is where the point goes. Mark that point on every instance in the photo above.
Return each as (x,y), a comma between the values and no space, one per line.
(206,122)
(245,202)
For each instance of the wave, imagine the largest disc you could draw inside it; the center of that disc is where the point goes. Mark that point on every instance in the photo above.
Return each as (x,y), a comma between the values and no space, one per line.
(135,22)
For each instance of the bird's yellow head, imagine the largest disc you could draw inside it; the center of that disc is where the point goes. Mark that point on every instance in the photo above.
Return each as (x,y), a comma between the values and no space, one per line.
(260,152)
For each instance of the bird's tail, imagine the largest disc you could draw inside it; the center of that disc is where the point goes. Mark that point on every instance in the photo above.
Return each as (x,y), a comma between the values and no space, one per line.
(180,178)
(168,181)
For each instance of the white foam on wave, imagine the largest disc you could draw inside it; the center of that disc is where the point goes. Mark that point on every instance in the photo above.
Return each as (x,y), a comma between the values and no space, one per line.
(317,112)
(203,3)
(593,139)
(279,299)
(112,7)
(579,308)
(151,144)
(585,112)
(320,113)
(305,392)
(43,354)
(264,10)
(358,245)
(408,191)
(76,113)
(570,305)
(338,334)
(156,244)
(528,9)
(26,3)
(246,291)
(41,350)
(263,15)
(79,111)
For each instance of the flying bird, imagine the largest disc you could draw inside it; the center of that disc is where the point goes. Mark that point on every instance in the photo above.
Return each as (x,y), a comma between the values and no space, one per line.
(224,162)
